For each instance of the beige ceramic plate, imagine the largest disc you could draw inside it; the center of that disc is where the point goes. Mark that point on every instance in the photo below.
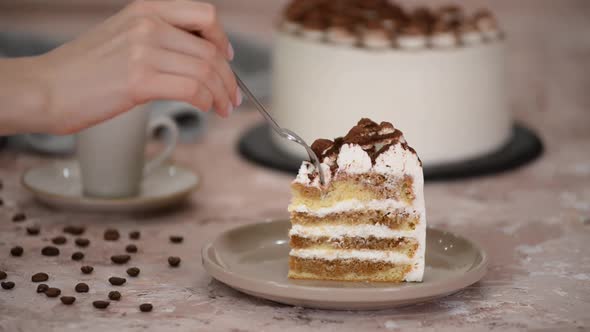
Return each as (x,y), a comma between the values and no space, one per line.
(58,185)
(254,260)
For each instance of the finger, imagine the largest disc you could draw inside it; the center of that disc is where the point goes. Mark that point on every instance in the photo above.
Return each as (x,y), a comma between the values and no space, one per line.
(173,39)
(191,16)
(172,87)
(180,64)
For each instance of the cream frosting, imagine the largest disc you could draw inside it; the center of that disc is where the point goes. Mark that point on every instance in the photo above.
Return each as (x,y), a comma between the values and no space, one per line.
(365,231)
(471,38)
(341,36)
(353,159)
(443,40)
(411,42)
(355,205)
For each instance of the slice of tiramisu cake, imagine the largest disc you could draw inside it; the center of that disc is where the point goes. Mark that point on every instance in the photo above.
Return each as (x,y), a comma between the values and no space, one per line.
(367,221)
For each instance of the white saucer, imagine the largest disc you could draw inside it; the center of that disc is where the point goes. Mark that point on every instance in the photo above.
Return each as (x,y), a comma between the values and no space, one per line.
(58,185)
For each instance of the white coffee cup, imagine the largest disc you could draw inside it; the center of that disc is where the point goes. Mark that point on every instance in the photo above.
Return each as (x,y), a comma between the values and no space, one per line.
(111,154)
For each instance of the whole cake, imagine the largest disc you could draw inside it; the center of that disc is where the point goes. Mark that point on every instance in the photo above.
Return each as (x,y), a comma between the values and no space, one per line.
(439,72)
(367,221)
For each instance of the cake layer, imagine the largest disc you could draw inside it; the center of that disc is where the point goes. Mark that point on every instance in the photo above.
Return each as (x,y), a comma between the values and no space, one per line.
(347,270)
(397,219)
(362,187)
(363,255)
(403,245)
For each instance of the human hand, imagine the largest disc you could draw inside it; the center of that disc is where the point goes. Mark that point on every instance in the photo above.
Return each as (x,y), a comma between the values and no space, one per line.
(147,51)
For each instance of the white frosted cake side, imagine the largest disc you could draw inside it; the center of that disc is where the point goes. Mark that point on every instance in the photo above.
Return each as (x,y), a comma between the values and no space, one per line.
(448,97)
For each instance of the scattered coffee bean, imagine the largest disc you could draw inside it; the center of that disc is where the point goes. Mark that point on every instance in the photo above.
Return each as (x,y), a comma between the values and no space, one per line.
(133,271)
(176,238)
(111,234)
(114,295)
(131,248)
(74,230)
(146,307)
(59,240)
(174,261)
(1,202)
(50,251)
(33,230)
(100,304)
(134,235)
(86,269)
(67,300)
(117,281)
(40,277)
(77,256)
(17,251)
(42,288)
(19,217)
(120,259)
(52,292)
(82,288)
(3,275)
(82,242)
(7,284)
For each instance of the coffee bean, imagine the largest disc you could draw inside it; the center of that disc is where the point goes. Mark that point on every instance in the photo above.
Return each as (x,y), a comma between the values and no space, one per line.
(100,304)
(74,230)
(67,300)
(133,271)
(3,275)
(146,307)
(176,238)
(33,230)
(39,277)
(59,240)
(53,292)
(111,234)
(19,217)
(131,248)
(120,259)
(82,242)
(134,235)
(117,281)
(1,202)
(174,261)
(86,269)
(17,251)
(77,256)
(114,295)
(42,288)
(7,284)
(50,251)
(82,288)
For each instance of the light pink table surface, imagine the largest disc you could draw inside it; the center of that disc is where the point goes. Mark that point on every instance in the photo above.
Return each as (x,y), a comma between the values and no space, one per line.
(534,222)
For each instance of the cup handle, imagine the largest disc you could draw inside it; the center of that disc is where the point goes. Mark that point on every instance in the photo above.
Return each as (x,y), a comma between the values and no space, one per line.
(164,155)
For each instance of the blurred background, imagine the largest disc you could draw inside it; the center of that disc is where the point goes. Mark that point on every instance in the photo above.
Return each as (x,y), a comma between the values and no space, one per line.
(543,45)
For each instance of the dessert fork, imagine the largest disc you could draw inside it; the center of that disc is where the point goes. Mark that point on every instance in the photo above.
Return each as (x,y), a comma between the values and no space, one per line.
(283,132)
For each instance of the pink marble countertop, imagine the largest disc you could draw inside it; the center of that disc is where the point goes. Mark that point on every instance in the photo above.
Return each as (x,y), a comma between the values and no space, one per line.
(534,221)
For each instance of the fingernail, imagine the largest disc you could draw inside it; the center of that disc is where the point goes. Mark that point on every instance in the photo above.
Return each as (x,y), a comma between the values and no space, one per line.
(230,109)
(230,51)
(239,98)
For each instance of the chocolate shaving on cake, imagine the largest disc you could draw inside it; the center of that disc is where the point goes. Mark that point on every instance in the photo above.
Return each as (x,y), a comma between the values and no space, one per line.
(368,16)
